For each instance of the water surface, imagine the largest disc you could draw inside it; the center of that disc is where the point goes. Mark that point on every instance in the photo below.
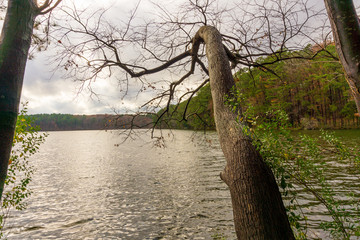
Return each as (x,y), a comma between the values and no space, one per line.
(85,187)
(88,187)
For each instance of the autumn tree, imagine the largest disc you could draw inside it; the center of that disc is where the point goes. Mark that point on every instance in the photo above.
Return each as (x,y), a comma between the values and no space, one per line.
(15,42)
(211,43)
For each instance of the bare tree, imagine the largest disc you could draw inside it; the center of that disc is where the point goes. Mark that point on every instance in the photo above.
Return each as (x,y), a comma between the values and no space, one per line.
(14,47)
(346,30)
(209,41)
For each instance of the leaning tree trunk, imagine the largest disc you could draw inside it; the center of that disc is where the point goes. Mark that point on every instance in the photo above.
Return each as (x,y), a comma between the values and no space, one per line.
(259,212)
(346,30)
(14,47)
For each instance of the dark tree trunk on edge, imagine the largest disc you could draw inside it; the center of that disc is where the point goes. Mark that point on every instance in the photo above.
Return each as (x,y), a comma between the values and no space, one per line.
(259,212)
(346,30)
(14,46)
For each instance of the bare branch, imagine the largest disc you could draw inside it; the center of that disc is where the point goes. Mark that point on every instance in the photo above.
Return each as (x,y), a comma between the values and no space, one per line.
(47,7)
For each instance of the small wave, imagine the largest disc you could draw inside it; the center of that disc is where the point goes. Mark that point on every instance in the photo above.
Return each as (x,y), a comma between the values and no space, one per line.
(82,221)
(33,228)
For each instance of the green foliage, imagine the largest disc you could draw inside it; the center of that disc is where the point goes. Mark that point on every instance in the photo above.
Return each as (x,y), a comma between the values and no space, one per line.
(26,142)
(196,114)
(313,92)
(301,162)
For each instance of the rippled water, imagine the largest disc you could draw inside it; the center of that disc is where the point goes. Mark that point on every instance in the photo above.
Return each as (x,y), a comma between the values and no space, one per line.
(86,187)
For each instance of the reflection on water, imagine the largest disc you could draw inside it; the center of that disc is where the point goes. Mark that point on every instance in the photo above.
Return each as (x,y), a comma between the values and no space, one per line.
(85,187)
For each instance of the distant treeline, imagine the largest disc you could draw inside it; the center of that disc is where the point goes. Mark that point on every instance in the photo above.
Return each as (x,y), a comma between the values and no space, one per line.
(65,122)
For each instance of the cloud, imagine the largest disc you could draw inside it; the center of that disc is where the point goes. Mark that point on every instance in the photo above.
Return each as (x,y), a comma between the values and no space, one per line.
(49,92)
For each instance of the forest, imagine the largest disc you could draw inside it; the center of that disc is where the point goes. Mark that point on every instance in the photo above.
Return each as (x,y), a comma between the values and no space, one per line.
(313,93)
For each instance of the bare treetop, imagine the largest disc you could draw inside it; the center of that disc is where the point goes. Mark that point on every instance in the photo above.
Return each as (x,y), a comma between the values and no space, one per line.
(93,46)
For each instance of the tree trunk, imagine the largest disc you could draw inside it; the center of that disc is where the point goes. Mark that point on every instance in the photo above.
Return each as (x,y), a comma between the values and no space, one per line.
(14,46)
(346,30)
(259,212)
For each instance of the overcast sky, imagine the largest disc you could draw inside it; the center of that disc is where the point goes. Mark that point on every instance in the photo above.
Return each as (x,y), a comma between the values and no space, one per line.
(48,92)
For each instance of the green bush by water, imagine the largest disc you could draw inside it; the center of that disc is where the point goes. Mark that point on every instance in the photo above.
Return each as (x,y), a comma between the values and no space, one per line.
(27,140)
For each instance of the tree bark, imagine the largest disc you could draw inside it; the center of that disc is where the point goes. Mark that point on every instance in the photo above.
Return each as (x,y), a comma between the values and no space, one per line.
(259,212)
(14,47)
(346,30)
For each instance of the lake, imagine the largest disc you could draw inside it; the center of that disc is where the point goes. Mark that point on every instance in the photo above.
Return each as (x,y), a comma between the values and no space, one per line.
(87,186)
